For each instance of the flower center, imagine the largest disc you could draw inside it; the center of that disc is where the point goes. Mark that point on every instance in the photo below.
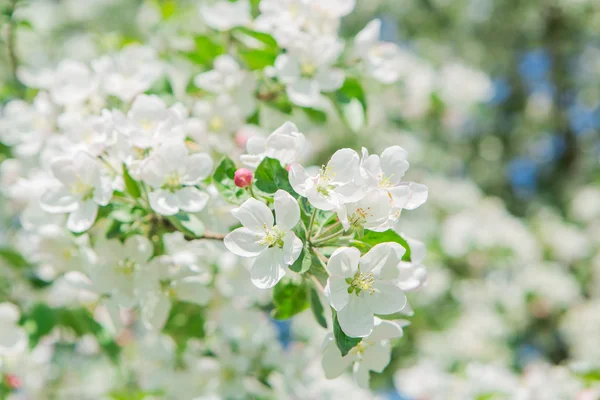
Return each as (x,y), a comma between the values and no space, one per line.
(361,282)
(324,186)
(147,125)
(273,237)
(172,181)
(358,350)
(385,181)
(83,190)
(126,266)
(216,123)
(308,70)
(359,217)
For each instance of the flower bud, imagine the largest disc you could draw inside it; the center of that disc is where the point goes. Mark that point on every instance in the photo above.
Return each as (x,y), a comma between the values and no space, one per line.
(12,381)
(243,177)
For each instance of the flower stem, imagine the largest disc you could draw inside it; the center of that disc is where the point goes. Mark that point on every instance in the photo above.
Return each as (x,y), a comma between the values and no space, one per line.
(311,224)
(328,238)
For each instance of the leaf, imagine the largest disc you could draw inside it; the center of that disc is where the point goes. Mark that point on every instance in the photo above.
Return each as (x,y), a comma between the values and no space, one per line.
(257,59)
(267,42)
(189,224)
(317,308)
(351,103)
(131,185)
(206,51)
(223,181)
(186,321)
(289,299)
(271,176)
(344,342)
(303,262)
(372,238)
(13,258)
(317,116)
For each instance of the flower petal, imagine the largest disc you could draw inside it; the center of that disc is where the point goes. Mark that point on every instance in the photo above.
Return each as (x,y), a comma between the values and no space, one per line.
(298,177)
(243,242)
(193,289)
(63,169)
(287,210)
(58,200)
(138,248)
(268,268)
(361,375)
(254,215)
(292,247)
(191,199)
(344,262)
(386,299)
(83,218)
(155,311)
(394,163)
(336,292)
(376,357)
(333,363)
(385,330)
(163,202)
(356,319)
(304,92)
(418,195)
(383,258)
(197,168)
(344,163)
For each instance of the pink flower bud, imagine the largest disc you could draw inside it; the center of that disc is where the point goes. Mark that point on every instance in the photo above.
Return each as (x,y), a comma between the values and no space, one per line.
(243,177)
(12,381)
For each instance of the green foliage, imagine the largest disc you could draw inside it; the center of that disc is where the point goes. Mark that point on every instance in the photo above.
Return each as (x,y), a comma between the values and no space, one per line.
(206,51)
(43,319)
(223,181)
(13,258)
(189,224)
(317,307)
(131,185)
(371,238)
(186,321)
(271,176)
(257,49)
(351,103)
(317,116)
(304,261)
(344,342)
(289,299)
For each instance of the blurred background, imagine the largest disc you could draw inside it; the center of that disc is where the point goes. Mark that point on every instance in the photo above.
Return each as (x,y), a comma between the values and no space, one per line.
(498,106)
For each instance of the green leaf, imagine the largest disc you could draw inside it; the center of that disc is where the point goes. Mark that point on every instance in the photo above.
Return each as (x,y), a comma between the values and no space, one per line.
(351,103)
(317,308)
(289,299)
(257,59)
(267,42)
(123,215)
(206,51)
(13,258)
(271,176)
(317,116)
(186,321)
(189,224)
(131,185)
(223,181)
(303,262)
(372,238)
(344,342)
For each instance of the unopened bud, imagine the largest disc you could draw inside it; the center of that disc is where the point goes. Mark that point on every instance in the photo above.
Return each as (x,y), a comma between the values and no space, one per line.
(243,177)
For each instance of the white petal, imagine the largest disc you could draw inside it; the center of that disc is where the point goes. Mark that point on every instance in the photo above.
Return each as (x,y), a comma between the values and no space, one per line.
(256,145)
(385,330)
(304,93)
(376,357)
(9,314)
(153,170)
(394,163)
(155,311)
(103,191)
(387,298)
(13,339)
(292,247)
(58,200)
(344,163)
(173,152)
(287,210)
(243,242)
(197,168)
(83,218)
(383,258)
(64,170)
(138,248)
(330,79)
(400,195)
(288,69)
(356,319)
(193,289)
(163,202)
(344,262)
(268,268)
(254,215)
(191,199)
(298,177)
(418,251)
(336,292)
(418,195)
(333,363)
(361,375)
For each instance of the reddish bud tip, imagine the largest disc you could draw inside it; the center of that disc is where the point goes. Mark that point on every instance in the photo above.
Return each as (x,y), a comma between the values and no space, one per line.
(12,381)
(243,177)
